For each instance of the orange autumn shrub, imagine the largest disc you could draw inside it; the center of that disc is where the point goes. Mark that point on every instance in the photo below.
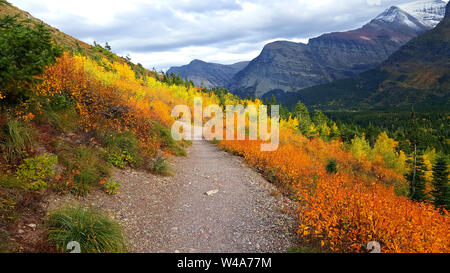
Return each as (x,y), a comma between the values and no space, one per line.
(112,99)
(345,216)
(346,211)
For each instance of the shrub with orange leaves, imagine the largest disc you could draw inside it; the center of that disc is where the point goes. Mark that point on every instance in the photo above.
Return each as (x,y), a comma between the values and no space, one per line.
(344,212)
(345,216)
(112,99)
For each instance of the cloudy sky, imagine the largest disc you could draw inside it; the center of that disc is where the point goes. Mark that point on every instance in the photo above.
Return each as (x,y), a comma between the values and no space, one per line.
(165,33)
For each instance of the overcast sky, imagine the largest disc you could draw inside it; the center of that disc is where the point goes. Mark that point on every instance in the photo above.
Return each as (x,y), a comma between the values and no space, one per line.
(165,33)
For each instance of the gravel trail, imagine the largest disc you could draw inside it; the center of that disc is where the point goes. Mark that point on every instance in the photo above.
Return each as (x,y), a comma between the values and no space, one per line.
(214,203)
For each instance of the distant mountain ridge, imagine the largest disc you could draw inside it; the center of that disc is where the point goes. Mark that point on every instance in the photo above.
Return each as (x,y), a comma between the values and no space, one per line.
(417,74)
(208,74)
(284,67)
(289,67)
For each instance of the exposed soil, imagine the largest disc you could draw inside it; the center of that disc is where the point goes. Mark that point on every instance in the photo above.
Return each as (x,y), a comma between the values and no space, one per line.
(214,203)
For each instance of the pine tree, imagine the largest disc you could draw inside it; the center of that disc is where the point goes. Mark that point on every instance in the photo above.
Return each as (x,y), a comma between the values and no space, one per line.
(25,51)
(441,192)
(332,166)
(335,132)
(304,119)
(416,178)
(108,47)
(319,118)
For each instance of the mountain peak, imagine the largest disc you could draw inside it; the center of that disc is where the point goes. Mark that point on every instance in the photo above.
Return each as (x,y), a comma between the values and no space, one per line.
(197,61)
(428,12)
(397,15)
(208,74)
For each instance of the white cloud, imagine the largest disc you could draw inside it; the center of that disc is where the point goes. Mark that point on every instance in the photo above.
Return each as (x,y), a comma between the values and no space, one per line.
(162,33)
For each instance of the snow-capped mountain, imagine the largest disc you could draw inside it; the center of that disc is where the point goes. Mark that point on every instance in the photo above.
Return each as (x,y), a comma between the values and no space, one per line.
(284,67)
(428,12)
(399,16)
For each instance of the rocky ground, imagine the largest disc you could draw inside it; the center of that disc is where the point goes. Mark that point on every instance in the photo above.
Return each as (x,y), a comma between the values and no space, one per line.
(214,203)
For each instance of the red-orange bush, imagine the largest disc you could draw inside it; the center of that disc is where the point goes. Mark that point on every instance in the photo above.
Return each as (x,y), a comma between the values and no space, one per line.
(346,211)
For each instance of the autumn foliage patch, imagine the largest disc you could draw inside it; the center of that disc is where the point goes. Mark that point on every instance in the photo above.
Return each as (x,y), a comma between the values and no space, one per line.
(345,211)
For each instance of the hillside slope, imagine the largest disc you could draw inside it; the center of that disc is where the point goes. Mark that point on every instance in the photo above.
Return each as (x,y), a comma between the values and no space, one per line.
(289,67)
(68,42)
(60,37)
(416,74)
(208,74)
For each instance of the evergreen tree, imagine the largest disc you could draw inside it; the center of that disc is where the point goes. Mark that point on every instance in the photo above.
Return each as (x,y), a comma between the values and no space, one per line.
(269,104)
(441,192)
(108,47)
(25,51)
(332,166)
(416,178)
(319,118)
(335,132)
(304,119)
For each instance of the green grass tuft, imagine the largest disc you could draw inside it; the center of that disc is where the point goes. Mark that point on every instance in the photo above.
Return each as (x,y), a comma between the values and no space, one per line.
(91,228)
(15,139)
(162,167)
(11,182)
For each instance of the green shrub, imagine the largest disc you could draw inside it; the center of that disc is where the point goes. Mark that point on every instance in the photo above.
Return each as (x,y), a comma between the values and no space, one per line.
(84,181)
(85,163)
(120,160)
(15,139)
(123,150)
(332,166)
(401,188)
(112,187)
(11,182)
(35,172)
(60,102)
(162,167)
(215,141)
(167,141)
(91,228)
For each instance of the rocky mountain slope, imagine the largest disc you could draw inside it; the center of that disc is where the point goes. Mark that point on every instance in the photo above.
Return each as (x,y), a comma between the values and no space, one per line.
(429,13)
(288,67)
(418,73)
(208,74)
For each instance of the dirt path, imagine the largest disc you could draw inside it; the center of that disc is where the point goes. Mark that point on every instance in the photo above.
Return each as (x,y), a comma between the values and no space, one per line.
(176,214)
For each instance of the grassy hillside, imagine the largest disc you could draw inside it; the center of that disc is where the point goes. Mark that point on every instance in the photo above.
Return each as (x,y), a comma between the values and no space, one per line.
(69,43)
(60,37)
